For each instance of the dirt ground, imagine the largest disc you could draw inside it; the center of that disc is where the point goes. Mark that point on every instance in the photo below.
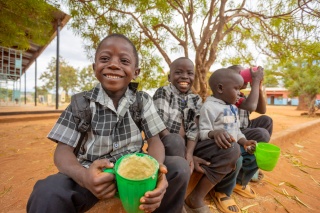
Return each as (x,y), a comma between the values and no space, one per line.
(293,186)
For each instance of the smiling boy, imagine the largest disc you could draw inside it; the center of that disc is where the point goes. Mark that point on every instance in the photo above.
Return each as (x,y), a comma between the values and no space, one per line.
(81,181)
(179,109)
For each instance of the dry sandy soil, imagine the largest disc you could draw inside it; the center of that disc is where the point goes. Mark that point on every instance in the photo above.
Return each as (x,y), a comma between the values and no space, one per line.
(293,186)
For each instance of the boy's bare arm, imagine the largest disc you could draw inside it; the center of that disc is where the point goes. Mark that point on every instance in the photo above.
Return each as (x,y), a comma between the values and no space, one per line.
(156,148)
(252,101)
(101,184)
(261,108)
(191,144)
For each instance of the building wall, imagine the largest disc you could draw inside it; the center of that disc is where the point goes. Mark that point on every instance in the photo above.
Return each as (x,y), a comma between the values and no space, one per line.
(279,100)
(280,96)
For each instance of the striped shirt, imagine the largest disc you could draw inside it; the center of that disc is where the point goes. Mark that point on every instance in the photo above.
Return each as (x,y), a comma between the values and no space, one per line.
(113,132)
(175,107)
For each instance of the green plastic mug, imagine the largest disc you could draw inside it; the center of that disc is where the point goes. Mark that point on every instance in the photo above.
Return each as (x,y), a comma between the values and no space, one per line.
(131,190)
(267,155)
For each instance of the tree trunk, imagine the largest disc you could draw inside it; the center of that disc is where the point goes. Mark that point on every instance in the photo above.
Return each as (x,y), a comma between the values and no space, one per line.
(201,82)
(303,102)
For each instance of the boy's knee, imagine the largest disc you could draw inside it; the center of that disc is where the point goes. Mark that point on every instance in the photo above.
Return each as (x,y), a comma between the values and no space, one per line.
(42,188)
(267,119)
(179,168)
(263,135)
(234,152)
(174,145)
(41,193)
(173,138)
(45,190)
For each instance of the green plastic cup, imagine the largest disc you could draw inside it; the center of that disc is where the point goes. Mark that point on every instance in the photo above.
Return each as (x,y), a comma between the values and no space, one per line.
(267,155)
(132,189)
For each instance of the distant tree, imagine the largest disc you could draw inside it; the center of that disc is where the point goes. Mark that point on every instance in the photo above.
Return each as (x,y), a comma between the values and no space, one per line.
(5,93)
(298,67)
(270,80)
(68,76)
(302,78)
(42,90)
(215,31)
(87,79)
(25,20)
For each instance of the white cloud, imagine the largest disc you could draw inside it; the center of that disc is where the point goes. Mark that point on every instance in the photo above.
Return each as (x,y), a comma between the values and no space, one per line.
(71,49)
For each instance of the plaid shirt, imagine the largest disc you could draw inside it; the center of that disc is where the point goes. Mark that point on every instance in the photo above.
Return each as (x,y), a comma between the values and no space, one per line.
(175,107)
(243,114)
(113,132)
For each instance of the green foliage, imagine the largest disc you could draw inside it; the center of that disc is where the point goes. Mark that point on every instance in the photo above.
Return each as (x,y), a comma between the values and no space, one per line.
(301,71)
(5,93)
(42,91)
(25,20)
(87,79)
(67,76)
(303,77)
(216,31)
(271,81)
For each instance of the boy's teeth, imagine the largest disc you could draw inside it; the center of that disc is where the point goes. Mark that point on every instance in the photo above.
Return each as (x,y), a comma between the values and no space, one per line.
(112,76)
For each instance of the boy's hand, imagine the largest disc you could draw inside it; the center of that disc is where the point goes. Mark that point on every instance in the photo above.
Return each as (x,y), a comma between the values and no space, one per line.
(250,146)
(222,138)
(152,199)
(100,183)
(257,76)
(197,162)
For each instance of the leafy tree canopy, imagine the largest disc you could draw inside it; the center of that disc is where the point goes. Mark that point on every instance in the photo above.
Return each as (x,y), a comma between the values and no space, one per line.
(205,31)
(23,21)
(302,74)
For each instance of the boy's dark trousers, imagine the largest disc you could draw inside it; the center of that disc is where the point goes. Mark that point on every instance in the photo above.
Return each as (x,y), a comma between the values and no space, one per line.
(260,130)
(59,193)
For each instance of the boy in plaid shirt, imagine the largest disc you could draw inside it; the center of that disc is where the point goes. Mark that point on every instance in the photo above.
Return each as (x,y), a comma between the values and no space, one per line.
(81,181)
(179,108)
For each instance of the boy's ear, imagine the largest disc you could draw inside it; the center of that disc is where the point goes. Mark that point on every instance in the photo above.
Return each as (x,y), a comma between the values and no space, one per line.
(220,88)
(93,66)
(169,77)
(136,73)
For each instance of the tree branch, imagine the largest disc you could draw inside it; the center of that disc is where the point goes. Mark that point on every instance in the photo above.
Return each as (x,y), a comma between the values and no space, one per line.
(147,33)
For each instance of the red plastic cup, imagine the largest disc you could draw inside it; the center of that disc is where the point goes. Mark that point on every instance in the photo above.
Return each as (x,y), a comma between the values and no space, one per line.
(246,74)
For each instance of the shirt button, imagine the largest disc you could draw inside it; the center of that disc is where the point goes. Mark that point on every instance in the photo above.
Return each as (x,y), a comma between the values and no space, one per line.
(115,145)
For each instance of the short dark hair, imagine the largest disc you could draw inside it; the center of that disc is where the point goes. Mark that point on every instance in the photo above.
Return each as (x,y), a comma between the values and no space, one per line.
(176,60)
(236,67)
(219,76)
(135,52)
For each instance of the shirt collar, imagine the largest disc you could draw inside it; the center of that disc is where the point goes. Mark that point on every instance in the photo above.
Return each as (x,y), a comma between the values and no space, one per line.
(212,98)
(97,94)
(177,92)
